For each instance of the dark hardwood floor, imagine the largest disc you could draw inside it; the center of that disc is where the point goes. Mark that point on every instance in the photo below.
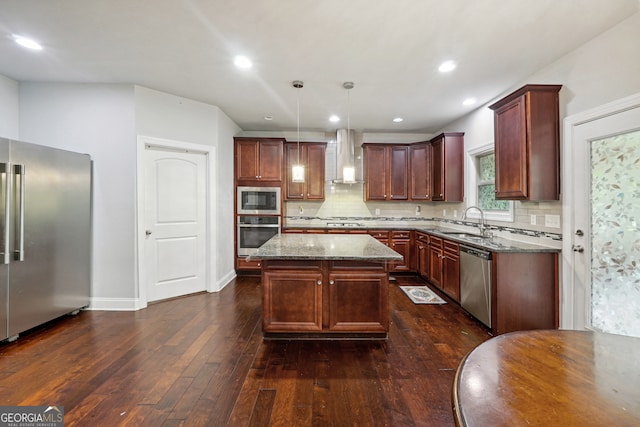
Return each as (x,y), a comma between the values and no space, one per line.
(200,360)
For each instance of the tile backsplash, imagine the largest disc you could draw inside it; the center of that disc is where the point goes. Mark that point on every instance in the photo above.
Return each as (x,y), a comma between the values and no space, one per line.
(347,201)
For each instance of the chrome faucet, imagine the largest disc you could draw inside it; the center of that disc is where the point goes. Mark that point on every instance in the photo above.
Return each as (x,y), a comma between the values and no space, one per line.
(482,224)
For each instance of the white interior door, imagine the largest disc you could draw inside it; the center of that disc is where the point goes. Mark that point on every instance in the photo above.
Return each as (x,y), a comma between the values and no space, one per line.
(603,222)
(175,222)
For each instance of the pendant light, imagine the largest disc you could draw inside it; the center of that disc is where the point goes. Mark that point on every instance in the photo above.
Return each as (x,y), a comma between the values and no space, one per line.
(297,171)
(348,171)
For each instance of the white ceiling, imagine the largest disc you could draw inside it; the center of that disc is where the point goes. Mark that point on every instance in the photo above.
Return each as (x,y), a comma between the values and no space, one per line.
(390,49)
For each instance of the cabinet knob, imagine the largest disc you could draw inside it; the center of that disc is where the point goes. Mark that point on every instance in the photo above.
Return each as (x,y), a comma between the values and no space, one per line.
(319,282)
(331,282)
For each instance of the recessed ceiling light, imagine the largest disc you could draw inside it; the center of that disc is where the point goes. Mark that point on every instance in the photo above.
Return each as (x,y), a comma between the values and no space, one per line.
(447,66)
(334,119)
(398,120)
(469,101)
(28,43)
(242,62)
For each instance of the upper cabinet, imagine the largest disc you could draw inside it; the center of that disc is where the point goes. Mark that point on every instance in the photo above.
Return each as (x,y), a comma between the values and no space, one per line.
(386,171)
(258,159)
(447,167)
(312,156)
(527,144)
(420,171)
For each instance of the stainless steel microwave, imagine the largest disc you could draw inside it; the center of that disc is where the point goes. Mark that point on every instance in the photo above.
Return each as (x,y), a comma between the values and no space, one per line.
(258,201)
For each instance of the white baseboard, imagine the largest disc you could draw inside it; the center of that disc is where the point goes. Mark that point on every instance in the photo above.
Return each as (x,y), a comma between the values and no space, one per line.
(224,281)
(115,304)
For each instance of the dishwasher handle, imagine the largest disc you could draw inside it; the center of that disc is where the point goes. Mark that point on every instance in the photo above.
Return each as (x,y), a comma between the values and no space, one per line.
(475,252)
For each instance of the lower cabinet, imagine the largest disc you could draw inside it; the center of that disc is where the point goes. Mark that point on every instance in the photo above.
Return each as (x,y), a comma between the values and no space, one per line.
(422,255)
(451,269)
(325,297)
(444,266)
(400,241)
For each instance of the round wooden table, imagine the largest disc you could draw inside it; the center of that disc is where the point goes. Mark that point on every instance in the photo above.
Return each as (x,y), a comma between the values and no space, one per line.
(550,378)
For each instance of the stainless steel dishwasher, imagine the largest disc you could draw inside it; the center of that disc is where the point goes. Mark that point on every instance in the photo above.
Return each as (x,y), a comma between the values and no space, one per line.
(475,282)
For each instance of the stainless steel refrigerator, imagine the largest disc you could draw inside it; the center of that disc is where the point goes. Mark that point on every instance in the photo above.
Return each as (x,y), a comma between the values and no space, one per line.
(45,234)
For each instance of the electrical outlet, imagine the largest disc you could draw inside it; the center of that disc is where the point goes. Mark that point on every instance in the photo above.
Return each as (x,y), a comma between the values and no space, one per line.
(455,213)
(444,212)
(552,221)
(377,211)
(533,220)
(417,210)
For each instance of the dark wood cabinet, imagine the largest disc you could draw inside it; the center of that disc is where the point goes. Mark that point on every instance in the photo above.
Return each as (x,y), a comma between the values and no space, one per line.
(420,171)
(451,269)
(258,160)
(422,254)
(527,144)
(525,291)
(312,156)
(325,297)
(292,300)
(358,302)
(447,166)
(386,171)
(435,261)
(400,241)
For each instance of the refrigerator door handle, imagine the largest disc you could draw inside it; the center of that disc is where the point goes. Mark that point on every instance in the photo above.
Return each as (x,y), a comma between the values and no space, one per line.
(18,252)
(4,211)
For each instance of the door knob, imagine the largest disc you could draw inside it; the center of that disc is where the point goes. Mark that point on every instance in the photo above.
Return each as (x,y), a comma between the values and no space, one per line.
(148,232)
(578,248)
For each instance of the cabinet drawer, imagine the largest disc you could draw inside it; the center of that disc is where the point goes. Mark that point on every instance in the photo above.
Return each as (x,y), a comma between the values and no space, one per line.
(424,238)
(243,264)
(435,242)
(379,234)
(400,234)
(451,247)
(292,265)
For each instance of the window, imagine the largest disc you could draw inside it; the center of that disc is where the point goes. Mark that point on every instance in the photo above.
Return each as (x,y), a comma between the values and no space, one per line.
(482,187)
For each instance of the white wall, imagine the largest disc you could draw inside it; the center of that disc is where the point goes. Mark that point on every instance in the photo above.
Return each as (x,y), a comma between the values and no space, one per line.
(97,119)
(9,107)
(166,116)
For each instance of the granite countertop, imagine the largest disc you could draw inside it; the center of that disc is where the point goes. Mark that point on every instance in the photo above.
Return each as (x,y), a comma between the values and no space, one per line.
(360,247)
(471,238)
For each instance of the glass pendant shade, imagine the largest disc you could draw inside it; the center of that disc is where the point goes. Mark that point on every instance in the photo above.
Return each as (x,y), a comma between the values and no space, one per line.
(297,173)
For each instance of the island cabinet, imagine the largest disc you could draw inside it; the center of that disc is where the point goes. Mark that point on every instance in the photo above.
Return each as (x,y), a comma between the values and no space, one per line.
(258,160)
(420,171)
(447,166)
(325,297)
(422,254)
(527,144)
(386,171)
(312,156)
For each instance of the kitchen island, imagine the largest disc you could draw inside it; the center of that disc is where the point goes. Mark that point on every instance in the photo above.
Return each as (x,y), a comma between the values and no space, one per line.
(325,286)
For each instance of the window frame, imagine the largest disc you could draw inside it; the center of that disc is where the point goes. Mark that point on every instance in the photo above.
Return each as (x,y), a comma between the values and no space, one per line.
(473,166)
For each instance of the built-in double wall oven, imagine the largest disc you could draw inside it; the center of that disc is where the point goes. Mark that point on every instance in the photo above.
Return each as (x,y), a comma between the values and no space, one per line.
(258,214)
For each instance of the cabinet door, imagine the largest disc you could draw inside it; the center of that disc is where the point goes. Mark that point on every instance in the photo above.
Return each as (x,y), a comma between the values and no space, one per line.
(247,160)
(359,302)
(403,247)
(398,170)
(292,301)
(437,169)
(420,172)
(511,150)
(422,255)
(315,156)
(375,176)
(270,161)
(294,190)
(435,266)
(451,275)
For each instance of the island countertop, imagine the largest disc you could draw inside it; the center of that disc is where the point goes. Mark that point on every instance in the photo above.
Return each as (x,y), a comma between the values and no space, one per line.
(325,247)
